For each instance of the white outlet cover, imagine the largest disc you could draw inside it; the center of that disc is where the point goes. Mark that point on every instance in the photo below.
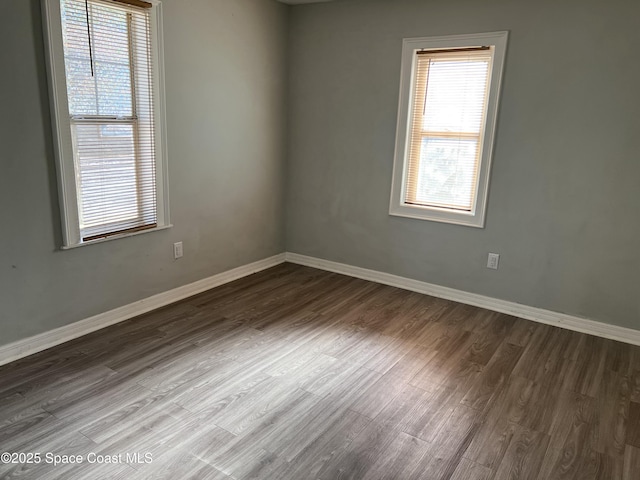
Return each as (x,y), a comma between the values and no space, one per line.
(177,250)
(493,260)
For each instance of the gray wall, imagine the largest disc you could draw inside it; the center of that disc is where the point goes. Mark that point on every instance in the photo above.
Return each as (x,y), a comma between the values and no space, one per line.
(225,89)
(564,206)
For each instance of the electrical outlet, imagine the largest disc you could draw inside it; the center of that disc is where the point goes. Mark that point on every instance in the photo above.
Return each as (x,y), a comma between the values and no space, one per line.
(493,260)
(177,250)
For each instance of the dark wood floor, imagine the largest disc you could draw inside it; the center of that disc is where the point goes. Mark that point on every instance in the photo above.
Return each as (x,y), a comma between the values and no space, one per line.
(294,373)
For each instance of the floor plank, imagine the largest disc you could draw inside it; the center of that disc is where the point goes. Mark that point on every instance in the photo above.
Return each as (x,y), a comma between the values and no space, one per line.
(524,457)
(633,425)
(631,463)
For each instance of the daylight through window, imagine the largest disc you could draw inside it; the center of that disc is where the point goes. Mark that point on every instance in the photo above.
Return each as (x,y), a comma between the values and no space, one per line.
(106,82)
(108,71)
(448,108)
(446,133)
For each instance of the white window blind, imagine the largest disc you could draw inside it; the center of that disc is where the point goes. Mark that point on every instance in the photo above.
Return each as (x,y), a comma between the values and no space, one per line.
(446,128)
(108,66)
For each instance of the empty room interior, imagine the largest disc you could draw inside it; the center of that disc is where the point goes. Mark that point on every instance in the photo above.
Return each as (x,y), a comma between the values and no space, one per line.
(320,239)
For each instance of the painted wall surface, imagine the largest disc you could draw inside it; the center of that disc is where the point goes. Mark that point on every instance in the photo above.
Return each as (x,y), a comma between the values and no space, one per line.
(564,200)
(225,65)
(564,203)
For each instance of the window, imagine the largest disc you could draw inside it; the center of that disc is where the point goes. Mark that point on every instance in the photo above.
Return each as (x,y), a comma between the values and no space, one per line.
(105,70)
(446,123)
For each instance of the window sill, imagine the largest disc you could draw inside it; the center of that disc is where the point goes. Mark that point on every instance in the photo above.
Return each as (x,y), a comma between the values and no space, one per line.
(441,215)
(115,237)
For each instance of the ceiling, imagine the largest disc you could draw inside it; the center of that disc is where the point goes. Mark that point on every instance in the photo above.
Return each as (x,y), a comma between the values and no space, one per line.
(300,2)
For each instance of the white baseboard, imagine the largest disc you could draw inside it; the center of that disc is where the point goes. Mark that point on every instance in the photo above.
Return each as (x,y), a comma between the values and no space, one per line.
(540,315)
(37,343)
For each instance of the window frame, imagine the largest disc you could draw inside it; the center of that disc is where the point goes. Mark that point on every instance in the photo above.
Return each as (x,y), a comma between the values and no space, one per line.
(410,46)
(61,125)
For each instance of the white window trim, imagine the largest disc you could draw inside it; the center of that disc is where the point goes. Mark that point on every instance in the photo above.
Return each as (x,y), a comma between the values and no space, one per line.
(398,207)
(63,146)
